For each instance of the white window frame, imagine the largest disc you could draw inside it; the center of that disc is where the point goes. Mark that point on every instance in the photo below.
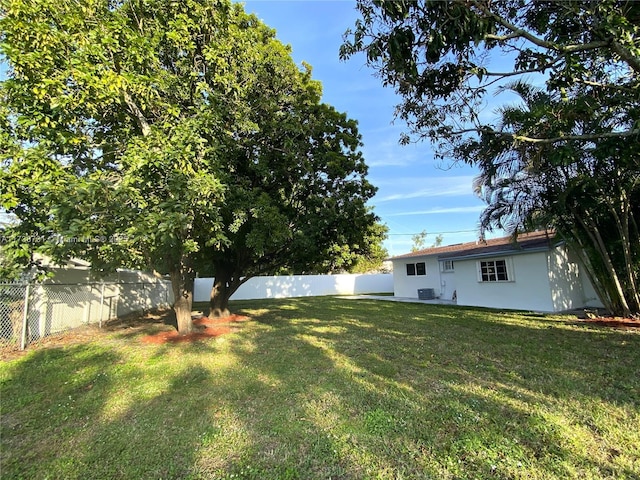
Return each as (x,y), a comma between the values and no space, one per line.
(495,270)
(447,266)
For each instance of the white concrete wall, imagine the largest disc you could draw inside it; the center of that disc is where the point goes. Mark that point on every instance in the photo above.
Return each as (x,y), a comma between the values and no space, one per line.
(541,281)
(301,286)
(529,288)
(591,298)
(407,285)
(565,280)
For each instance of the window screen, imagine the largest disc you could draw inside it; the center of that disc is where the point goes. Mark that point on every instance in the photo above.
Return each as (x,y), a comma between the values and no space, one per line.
(494,271)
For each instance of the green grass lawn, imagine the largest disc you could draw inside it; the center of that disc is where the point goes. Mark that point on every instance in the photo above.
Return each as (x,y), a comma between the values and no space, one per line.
(320,388)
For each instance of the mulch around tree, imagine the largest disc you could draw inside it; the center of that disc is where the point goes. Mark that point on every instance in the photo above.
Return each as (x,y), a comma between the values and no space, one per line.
(613,322)
(135,324)
(203,328)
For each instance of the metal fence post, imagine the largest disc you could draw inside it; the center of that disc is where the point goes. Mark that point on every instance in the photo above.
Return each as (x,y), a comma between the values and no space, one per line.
(25,317)
(86,312)
(101,304)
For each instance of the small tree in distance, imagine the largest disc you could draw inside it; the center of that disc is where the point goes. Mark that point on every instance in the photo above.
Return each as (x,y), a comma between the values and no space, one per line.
(420,240)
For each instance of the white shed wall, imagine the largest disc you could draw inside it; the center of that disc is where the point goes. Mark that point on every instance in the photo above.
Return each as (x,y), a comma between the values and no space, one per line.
(591,298)
(448,284)
(565,280)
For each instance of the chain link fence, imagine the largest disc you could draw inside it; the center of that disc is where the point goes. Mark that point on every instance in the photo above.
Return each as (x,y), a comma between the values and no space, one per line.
(30,312)
(13,298)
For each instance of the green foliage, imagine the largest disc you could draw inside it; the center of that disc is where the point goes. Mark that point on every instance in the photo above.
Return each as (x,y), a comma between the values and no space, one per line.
(418,241)
(297,192)
(184,130)
(589,193)
(375,253)
(438,241)
(436,55)
(566,157)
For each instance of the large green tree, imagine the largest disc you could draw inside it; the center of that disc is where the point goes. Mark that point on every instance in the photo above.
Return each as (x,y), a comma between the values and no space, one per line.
(563,157)
(297,191)
(148,133)
(113,127)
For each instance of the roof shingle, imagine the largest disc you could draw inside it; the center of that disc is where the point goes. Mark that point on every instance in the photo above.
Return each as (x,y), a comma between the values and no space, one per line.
(525,241)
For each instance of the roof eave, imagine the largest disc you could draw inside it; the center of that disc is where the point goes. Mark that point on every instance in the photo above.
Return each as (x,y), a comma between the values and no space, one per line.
(495,254)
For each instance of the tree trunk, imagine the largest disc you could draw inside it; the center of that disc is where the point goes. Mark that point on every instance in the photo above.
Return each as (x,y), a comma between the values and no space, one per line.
(182,284)
(225,283)
(621,218)
(219,299)
(617,298)
(580,251)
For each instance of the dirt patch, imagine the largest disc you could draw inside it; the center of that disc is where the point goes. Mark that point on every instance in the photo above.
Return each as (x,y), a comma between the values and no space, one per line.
(206,321)
(204,328)
(175,337)
(613,322)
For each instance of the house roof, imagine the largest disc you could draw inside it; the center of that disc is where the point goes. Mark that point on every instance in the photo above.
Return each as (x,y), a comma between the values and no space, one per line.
(534,241)
(46,261)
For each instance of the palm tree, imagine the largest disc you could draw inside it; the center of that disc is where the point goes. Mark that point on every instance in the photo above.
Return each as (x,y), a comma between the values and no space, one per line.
(588,192)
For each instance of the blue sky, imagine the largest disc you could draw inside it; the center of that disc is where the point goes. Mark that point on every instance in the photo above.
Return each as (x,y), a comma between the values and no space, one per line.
(415,192)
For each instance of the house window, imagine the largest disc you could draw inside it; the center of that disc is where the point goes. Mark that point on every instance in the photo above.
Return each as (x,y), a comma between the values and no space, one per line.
(494,271)
(416,269)
(447,266)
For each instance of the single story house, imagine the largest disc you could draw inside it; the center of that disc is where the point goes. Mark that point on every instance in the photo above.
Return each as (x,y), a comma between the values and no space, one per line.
(534,273)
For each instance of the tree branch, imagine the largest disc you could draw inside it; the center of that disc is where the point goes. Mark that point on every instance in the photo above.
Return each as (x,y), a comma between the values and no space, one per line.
(523,138)
(502,38)
(137,114)
(520,33)
(540,69)
(585,138)
(627,56)
(606,85)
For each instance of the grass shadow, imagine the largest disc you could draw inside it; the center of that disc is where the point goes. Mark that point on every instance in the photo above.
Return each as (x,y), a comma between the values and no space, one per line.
(330,388)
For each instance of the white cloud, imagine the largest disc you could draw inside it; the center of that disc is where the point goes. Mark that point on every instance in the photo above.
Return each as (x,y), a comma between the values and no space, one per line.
(421,187)
(439,210)
(390,160)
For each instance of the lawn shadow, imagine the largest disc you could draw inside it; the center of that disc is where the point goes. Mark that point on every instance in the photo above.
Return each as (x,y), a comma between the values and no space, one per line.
(80,423)
(154,436)
(132,325)
(454,386)
(65,388)
(309,389)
